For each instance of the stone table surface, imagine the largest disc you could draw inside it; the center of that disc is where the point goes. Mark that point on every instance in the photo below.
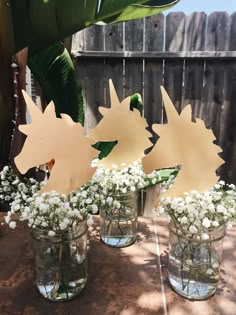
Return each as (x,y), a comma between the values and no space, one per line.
(127,281)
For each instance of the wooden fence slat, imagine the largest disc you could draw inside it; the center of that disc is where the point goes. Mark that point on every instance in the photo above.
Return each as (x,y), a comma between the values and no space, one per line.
(229,130)
(196,63)
(154,33)
(133,82)
(114,68)
(232,40)
(228,170)
(215,77)
(94,86)
(195,31)
(175,31)
(134,35)
(78,42)
(217,31)
(194,70)
(94,38)
(173,73)
(153,76)
(213,98)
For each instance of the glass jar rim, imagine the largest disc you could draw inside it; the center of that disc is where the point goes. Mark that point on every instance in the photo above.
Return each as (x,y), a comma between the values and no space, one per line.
(60,235)
(189,235)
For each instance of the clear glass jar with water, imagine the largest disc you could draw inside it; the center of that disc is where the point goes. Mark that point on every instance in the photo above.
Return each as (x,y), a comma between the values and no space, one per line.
(61,262)
(194,264)
(118,224)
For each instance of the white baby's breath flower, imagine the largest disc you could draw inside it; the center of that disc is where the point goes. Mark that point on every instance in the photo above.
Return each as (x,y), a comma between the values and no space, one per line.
(12,225)
(206,223)
(193,229)
(94,208)
(215,223)
(7,218)
(88,201)
(84,194)
(204,236)
(184,220)
(161,210)
(51,233)
(63,225)
(132,188)
(220,208)
(44,224)
(189,262)
(109,200)
(209,272)
(215,265)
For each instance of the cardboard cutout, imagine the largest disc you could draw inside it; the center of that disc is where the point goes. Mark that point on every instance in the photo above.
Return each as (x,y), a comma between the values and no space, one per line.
(59,139)
(126,126)
(186,143)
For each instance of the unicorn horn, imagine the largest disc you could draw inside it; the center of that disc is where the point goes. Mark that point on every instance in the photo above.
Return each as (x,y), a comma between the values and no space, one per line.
(32,108)
(171,112)
(114,98)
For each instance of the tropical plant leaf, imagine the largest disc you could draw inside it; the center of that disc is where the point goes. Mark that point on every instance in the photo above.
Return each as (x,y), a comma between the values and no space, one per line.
(131,9)
(39,23)
(136,102)
(54,70)
(162,176)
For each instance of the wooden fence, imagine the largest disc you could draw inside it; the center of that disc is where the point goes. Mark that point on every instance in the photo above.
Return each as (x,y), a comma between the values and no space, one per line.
(193,56)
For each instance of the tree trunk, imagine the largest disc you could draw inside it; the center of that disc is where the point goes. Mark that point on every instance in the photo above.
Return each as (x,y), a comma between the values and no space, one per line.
(20,83)
(7,103)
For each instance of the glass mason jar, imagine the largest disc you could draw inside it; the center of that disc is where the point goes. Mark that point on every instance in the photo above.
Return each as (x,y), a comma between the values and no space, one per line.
(61,262)
(194,264)
(118,225)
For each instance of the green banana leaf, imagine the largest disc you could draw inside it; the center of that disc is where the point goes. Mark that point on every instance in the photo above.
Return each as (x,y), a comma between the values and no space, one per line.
(131,10)
(54,70)
(106,147)
(40,23)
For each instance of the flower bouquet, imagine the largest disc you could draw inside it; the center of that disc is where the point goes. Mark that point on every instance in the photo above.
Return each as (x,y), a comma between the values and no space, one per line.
(116,196)
(197,226)
(58,225)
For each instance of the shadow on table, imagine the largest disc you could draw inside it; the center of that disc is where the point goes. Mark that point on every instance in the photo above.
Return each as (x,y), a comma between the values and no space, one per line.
(223,302)
(120,281)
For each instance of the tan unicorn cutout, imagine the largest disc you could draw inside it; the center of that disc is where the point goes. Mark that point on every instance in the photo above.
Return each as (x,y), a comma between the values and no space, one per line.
(126,126)
(186,143)
(49,137)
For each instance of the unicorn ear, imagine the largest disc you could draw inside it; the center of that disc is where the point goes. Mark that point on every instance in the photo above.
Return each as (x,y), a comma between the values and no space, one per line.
(67,118)
(50,109)
(187,113)
(126,103)
(24,129)
(171,112)
(103,110)
(32,108)
(114,98)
